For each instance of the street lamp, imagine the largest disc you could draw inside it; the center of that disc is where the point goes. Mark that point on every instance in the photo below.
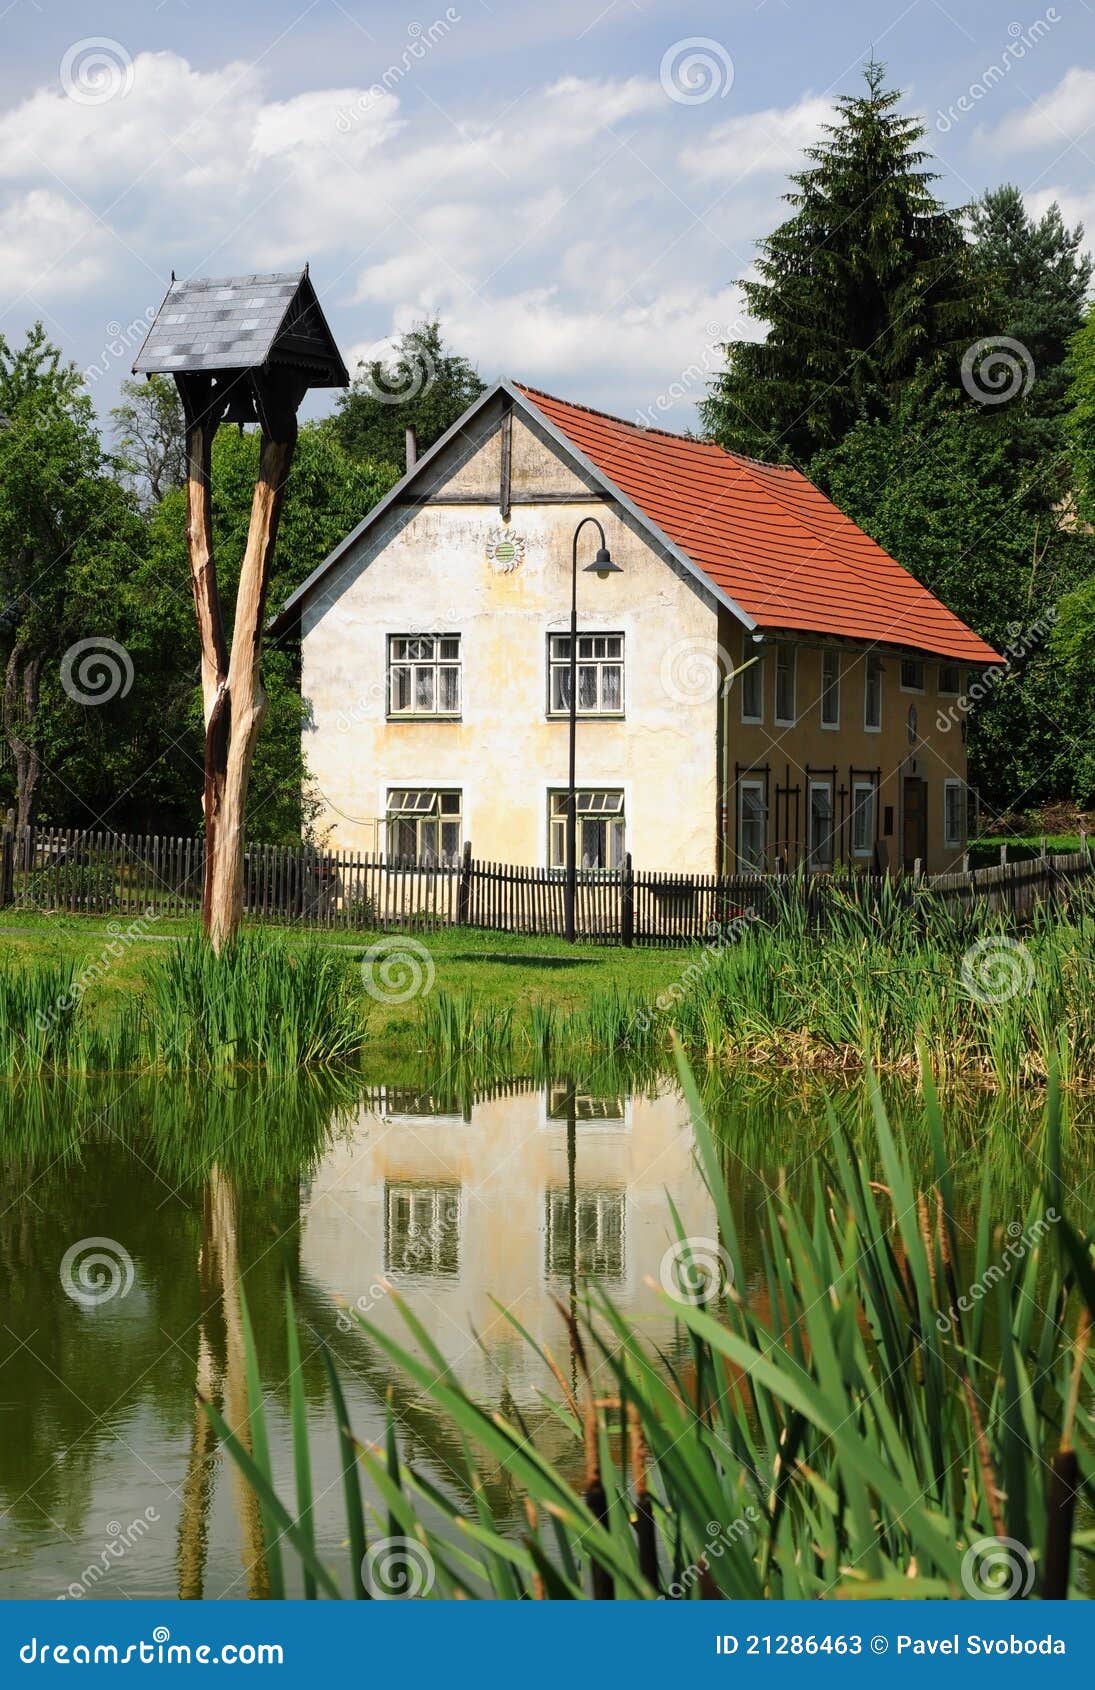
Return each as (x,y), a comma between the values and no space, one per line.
(602,566)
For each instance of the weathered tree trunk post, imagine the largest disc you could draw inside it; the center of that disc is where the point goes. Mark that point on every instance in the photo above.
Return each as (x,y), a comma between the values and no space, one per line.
(244,702)
(201,428)
(242,350)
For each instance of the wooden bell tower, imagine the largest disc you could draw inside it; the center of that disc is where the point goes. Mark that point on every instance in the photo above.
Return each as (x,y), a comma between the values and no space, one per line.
(243,350)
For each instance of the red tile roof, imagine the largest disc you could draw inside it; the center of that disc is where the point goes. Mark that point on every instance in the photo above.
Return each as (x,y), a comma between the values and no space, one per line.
(766,536)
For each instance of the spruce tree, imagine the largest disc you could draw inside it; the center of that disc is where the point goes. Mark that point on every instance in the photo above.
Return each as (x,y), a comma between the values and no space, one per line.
(867,279)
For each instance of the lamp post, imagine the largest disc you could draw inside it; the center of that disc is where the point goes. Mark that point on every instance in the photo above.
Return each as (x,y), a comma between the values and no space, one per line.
(601,566)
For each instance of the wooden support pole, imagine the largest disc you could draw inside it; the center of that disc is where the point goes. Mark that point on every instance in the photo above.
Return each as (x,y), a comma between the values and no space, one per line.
(243,697)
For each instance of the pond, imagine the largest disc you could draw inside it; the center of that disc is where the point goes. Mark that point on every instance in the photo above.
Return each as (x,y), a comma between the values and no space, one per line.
(132,1213)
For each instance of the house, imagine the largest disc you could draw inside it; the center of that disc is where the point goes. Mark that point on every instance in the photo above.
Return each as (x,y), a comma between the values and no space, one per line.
(758,683)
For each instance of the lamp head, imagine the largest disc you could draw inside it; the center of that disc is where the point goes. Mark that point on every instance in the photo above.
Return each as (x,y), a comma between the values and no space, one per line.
(602,565)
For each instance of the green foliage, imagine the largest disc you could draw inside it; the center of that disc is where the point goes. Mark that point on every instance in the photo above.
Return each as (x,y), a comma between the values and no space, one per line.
(1080,424)
(259,1003)
(424,385)
(1032,276)
(863,282)
(888,982)
(839,1426)
(151,434)
(327,495)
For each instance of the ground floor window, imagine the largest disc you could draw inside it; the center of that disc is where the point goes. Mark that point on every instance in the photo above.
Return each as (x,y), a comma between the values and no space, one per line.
(821,825)
(863,818)
(588,1240)
(425,826)
(752,827)
(422,1229)
(954,812)
(599,828)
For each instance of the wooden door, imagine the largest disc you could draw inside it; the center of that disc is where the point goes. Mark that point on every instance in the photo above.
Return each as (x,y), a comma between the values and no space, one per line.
(915,810)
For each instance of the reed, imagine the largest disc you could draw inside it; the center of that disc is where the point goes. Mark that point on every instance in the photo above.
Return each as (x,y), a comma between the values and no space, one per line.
(891,984)
(845,1423)
(259,1003)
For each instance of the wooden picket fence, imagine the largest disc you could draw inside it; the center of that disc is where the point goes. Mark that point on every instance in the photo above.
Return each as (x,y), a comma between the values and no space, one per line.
(133,876)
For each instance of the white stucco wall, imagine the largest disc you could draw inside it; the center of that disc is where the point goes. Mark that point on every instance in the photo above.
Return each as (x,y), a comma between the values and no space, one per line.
(425,569)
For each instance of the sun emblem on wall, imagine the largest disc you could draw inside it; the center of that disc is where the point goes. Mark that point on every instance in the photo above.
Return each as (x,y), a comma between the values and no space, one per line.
(505,550)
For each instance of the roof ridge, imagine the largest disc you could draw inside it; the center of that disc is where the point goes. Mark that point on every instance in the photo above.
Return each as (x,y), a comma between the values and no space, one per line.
(645,432)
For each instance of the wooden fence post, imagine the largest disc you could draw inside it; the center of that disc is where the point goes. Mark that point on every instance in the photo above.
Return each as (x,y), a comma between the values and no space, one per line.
(7,868)
(627,902)
(463,892)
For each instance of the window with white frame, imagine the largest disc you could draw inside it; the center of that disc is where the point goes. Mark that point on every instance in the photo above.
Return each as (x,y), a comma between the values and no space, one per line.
(422,1229)
(872,694)
(752,826)
(785,685)
(588,1239)
(599,824)
(600,670)
(752,681)
(821,825)
(954,812)
(950,679)
(424,826)
(863,818)
(423,674)
(912,674)
(830,688)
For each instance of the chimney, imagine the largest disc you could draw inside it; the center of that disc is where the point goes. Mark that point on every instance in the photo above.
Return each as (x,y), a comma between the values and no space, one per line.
(412,446)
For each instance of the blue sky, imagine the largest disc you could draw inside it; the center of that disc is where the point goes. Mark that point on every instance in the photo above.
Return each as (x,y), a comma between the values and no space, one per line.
(573,188)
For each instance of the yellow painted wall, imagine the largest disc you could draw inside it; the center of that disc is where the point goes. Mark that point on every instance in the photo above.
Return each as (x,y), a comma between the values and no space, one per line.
(936,753)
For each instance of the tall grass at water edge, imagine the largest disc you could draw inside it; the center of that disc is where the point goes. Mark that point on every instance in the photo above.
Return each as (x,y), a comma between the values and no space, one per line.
(260,1003)
(892,984)
(845,1423)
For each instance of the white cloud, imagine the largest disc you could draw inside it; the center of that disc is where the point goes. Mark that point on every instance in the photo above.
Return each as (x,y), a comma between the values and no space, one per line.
(1062,114)
(1076,207)
(558,239)
(49,246)
(768,142)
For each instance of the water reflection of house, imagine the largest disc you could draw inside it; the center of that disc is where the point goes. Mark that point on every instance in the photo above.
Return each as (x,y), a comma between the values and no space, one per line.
(531,1192)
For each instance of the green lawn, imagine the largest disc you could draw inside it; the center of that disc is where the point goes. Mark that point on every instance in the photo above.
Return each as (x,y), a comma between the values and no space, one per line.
(985,852)
(500,968)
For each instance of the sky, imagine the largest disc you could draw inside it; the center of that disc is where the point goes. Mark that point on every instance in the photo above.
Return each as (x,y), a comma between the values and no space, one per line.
(575,189)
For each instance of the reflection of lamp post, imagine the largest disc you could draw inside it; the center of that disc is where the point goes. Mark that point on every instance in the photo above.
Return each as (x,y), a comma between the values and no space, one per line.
(572,1203)
(601,566)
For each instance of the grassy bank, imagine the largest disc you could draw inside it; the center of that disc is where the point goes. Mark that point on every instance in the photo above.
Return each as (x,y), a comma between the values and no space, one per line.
(892,985)
(854,1420)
